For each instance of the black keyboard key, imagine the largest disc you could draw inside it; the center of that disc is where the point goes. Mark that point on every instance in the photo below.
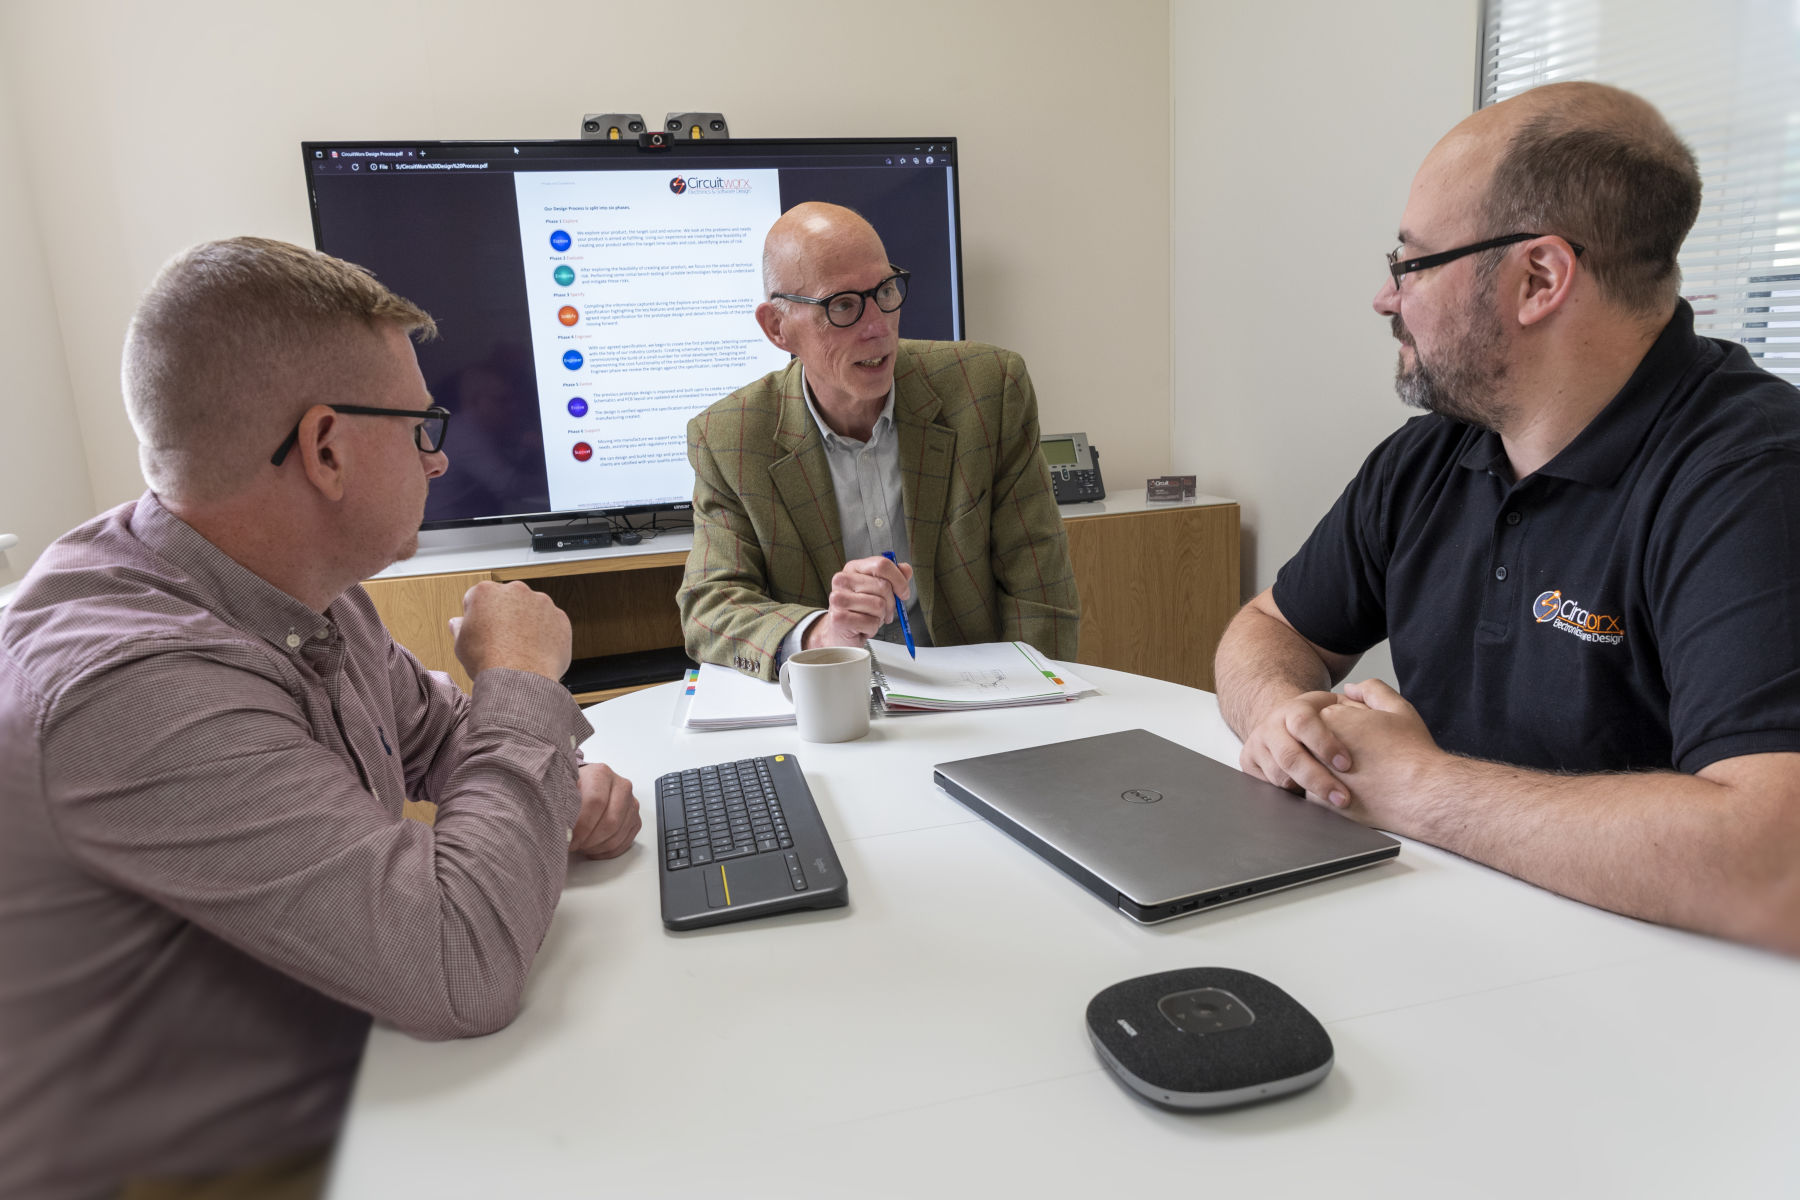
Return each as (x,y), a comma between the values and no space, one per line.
(795,875)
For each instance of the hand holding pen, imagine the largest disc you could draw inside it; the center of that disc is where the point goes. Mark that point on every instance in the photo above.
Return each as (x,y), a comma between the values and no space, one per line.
(865,595)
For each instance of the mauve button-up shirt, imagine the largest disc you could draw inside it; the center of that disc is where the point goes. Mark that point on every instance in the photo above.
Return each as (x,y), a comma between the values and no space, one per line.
(207,886)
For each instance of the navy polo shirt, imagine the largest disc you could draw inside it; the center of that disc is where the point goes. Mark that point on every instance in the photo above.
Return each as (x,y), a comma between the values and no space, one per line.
(1634,604)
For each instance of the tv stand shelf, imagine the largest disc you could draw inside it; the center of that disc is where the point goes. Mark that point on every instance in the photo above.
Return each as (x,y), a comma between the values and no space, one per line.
(1158,584)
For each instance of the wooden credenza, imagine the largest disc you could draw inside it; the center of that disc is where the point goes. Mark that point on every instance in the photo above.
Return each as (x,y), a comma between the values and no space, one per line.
(1158,584)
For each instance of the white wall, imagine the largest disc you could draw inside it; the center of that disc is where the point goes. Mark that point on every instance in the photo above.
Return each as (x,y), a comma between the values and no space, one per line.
(147,127)
(1298,125)
(43,473)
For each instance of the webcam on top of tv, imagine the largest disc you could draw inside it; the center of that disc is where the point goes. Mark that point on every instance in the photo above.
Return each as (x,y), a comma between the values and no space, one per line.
(629,127)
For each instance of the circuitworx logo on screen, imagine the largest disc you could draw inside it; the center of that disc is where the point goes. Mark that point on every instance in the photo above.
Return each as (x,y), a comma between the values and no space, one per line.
(704,184)
(1567,615)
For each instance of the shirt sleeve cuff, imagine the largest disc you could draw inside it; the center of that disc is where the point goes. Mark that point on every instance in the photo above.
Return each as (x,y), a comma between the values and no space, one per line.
(795,641)
(527,703)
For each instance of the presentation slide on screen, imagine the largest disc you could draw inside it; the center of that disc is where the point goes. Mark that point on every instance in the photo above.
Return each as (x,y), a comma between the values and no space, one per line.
(638,279)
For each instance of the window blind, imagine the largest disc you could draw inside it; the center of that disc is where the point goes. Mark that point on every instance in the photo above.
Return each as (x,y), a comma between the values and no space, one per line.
(1726,74)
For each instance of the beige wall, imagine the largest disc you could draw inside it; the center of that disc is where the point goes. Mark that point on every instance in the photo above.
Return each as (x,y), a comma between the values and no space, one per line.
(1293,127)
(147,127)
(43,473)
(1297,128)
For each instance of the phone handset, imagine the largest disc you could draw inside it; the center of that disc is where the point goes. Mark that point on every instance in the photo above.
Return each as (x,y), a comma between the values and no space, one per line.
(1074,467)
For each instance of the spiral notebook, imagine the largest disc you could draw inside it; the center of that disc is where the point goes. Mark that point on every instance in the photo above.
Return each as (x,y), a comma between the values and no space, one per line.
(956,678)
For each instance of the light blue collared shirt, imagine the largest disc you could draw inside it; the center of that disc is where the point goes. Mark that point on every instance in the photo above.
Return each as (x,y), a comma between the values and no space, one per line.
(865,478)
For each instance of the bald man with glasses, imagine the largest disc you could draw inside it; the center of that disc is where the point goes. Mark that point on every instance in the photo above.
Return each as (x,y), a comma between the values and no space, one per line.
(1584,558)
(240,821)
(868,446)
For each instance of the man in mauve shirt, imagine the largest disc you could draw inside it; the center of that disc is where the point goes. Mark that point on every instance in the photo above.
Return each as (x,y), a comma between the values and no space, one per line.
(218,771)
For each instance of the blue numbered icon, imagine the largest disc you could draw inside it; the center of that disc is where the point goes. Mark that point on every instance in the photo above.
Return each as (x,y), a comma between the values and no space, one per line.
(577,407)
(559,241)
(572,359)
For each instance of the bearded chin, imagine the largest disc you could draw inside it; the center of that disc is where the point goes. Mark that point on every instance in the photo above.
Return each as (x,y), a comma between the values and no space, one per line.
(1415,387)
(1462,395)
(1421,387)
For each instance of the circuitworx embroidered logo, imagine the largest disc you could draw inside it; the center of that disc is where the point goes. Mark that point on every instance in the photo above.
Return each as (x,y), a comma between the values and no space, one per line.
(1567,615)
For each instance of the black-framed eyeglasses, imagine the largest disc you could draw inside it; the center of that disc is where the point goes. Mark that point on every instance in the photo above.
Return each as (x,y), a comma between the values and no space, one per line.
(845,309)
(1400,267)
(428,435)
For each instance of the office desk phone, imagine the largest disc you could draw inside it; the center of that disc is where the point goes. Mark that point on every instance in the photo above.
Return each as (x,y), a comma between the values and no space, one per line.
(1074,467)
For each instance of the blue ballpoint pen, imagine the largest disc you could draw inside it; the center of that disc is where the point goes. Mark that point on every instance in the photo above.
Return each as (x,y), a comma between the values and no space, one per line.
(900,610)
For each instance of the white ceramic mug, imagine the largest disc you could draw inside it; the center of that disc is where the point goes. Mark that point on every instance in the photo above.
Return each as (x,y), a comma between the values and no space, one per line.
(830,691)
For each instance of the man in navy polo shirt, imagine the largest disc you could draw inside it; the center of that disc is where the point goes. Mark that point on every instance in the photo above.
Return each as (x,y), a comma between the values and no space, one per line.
(1586,557)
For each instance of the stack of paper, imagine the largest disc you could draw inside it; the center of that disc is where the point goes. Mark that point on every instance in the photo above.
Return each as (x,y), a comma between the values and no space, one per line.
(1073,685)
(943,678)
(986,675)
(727,699)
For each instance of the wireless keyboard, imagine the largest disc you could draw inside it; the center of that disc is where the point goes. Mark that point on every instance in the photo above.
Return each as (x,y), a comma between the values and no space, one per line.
(743,839)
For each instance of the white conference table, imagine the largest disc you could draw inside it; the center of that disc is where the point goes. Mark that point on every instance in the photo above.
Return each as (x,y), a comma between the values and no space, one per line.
(1492,1039)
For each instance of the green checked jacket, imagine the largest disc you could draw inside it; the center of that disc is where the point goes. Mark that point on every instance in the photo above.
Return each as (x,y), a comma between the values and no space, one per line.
(989,555)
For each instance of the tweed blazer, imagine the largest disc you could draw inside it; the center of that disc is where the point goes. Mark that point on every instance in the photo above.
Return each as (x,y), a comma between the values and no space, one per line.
(989,555)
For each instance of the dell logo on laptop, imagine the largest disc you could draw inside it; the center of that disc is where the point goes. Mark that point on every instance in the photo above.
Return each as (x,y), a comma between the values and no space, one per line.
(1142,796)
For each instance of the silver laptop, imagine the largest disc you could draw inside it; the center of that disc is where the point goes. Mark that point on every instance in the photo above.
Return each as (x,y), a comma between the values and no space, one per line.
(1155,829)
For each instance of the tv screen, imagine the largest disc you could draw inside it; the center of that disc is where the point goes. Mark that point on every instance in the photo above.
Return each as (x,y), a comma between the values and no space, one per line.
(591,296)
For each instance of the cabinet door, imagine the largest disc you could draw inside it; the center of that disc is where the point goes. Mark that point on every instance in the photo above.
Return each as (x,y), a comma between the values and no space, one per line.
(417,612)
(617,612)
(1157,589)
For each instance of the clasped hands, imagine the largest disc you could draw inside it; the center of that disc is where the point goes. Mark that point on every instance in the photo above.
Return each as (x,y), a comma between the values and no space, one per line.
(1368,748)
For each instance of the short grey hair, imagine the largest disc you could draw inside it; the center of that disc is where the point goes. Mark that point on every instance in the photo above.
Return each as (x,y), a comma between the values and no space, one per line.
(233,341)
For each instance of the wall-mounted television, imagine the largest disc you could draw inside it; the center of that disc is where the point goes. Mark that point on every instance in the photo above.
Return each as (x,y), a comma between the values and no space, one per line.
(591,296)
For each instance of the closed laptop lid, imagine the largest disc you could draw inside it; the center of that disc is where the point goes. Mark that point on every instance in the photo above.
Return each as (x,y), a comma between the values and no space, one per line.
(1156,820)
